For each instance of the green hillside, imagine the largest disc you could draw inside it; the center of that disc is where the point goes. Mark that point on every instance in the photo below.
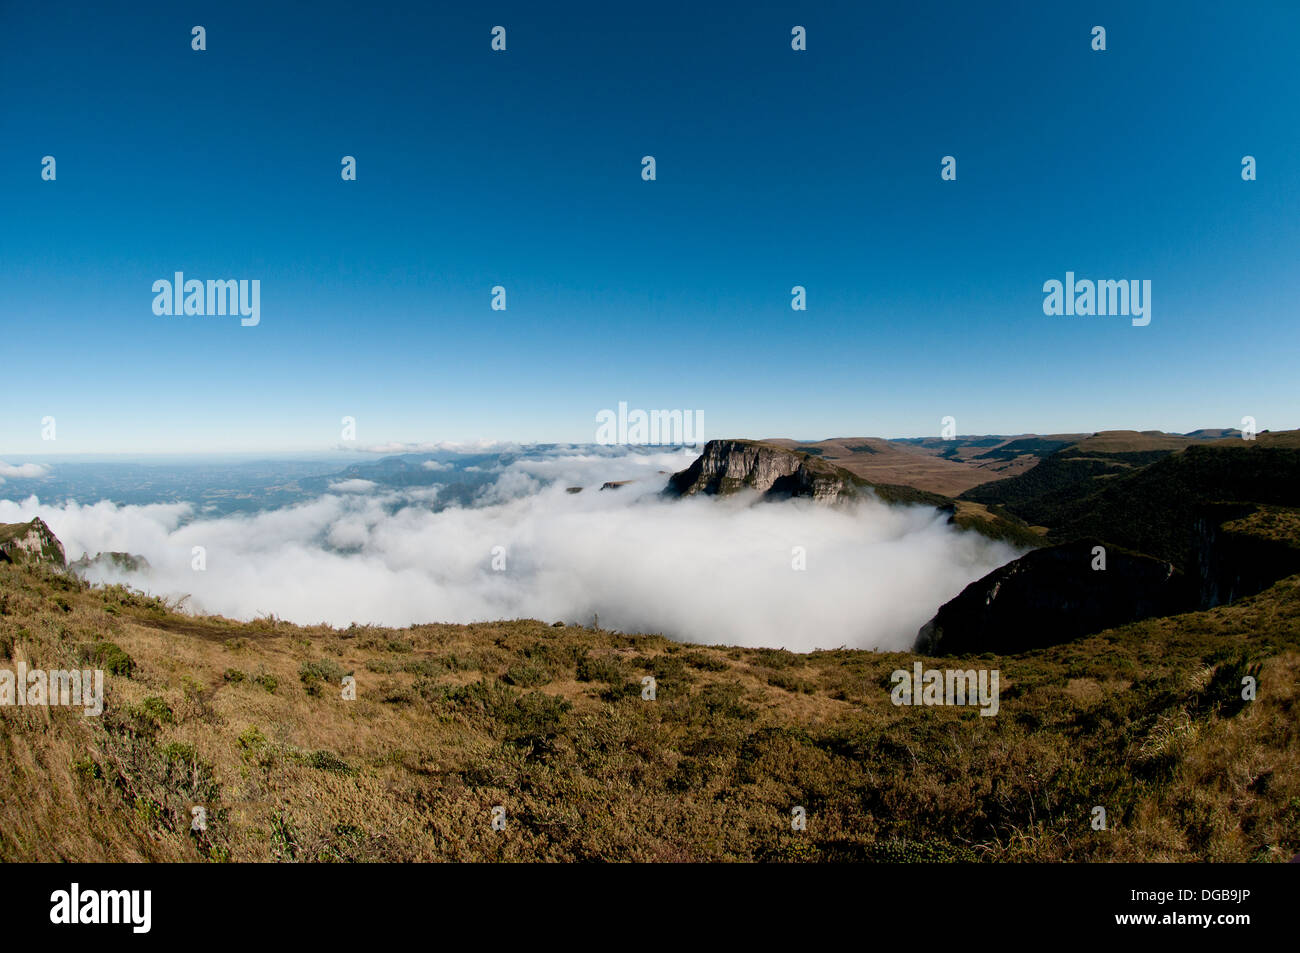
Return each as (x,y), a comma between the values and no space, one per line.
(1155,509)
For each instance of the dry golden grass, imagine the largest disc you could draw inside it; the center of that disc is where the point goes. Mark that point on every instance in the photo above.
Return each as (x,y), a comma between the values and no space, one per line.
(450,721)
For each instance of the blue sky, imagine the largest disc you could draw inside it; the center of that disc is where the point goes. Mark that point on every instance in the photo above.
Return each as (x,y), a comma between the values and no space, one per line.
(775,168)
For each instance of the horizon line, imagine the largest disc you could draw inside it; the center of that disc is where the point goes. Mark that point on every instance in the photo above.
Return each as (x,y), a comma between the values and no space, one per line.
(489,446)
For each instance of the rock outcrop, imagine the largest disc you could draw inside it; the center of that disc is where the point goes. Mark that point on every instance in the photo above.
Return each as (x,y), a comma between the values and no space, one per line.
(775,473)
(728,466)
(1053,595)
(30,542)
(122,562)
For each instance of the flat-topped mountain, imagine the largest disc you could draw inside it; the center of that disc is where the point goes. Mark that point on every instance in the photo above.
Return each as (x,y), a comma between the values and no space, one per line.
(777,472)
(729,466)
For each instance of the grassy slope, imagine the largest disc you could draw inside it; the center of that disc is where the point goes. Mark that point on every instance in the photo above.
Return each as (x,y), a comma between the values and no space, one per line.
(452,720)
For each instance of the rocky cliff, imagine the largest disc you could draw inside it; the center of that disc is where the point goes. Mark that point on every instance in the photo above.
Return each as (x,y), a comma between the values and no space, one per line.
(1053,595)
(728,466)
(30,542)
(1239,549)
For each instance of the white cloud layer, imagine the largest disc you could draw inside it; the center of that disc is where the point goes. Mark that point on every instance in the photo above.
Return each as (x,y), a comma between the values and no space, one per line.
(701,569)
(353,486)
(21,471)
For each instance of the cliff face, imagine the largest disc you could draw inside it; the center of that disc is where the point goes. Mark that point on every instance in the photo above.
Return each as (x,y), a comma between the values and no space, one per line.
(1053,595)
(727,466)
(30,542)
(1240,549)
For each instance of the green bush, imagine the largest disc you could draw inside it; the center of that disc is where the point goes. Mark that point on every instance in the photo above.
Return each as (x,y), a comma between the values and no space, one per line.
(179,752)
(425,666)
(158,710)
(788,682)
(111,658)
(526,675)
(327,761)
(315,675)
(251,740)
(593,668)
(533,719)
(704,662)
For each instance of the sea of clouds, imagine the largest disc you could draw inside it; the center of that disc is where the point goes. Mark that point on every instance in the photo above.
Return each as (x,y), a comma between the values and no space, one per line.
(700,569)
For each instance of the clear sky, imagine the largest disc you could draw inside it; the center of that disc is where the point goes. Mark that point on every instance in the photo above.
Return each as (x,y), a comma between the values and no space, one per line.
(775,168)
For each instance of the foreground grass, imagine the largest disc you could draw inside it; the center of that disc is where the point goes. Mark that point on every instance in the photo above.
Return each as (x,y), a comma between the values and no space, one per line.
(247,721)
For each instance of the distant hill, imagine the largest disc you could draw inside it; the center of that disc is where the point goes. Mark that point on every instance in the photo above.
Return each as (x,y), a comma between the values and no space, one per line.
(954,467)
(1155,509)
(1069,474)
(1139,489)
(929,463)
(1076,470)
(1222,433)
